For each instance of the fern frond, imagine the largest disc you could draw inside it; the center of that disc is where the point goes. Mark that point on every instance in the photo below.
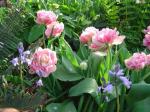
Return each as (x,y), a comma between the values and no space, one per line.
(10,30)
(21,101)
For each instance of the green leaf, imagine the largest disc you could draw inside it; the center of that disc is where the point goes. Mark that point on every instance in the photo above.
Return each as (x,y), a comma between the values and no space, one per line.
(68,65)
(138,92)
(67,51)
(83,52)
(87,85)
(67,107)
(142,106)
(123,54)
(61,107)
(64,75)
(53,107)
(35,33)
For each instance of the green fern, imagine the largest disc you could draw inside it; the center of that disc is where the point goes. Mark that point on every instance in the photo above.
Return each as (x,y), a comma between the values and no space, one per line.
(133,19)
(10,30)
(21,101)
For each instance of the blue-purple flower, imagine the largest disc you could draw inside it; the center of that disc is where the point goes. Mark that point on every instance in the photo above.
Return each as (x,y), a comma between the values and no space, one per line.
(125,81)
(20,48)
(108,88)
(118,74)
(39,83)
(99,89)
(15,61)
(117,71)
(23,56)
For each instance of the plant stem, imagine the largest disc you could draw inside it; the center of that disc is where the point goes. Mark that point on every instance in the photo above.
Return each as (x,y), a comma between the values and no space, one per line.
(21,76)
(118,104)
(44,41)
(87,104)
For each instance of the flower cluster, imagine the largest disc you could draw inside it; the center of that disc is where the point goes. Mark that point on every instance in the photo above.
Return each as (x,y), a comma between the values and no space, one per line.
(146,40)
(24,56)
(49,18)
(100,39)
(43,62)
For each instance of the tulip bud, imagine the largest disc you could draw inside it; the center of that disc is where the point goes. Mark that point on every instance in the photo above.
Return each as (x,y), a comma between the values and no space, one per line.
(83,65)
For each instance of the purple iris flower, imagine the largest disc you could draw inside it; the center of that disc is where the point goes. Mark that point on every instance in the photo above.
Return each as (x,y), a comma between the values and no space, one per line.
(15,61)
(99,89)
(108,88)
(117,72)
(23,56)
(39,83)
(125,81)
(20,48)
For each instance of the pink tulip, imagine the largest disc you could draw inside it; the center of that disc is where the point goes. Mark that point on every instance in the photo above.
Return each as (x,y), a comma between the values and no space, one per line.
(146,41)
(45,17)
(87,34)
(107,36)
(54,29)
(43,62)
(147,30)
(148,59)
(137,61)
(94,47)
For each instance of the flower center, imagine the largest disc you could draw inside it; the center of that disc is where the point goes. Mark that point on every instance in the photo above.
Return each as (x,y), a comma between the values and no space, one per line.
(44,60)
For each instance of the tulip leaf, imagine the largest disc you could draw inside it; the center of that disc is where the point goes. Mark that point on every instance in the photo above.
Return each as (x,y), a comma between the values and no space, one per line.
(64,75)
(68,52)
(87,85)
(35,33)
(142,106)
(66,106)
(138,92)
(68,65)
(53,107)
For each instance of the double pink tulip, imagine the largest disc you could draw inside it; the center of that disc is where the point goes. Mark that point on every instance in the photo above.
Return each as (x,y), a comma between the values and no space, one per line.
(99,39)
(49,18)
(54,29)
(45,17)
(146,40)
(137,61)
(43,62)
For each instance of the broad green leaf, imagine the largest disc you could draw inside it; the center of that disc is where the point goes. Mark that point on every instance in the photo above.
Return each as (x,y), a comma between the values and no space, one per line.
(64,75)
(68,65)
(35,33)
(87,85)
(138,92)
(53,107)
(67,107)
(61,107)
(94,62)
(142,106)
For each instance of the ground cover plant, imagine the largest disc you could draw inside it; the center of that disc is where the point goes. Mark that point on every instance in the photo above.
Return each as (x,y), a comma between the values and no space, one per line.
(55,58)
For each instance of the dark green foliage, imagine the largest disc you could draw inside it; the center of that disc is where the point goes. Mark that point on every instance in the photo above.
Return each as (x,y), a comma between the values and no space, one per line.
(10,30)
(133,19)
(21,101)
